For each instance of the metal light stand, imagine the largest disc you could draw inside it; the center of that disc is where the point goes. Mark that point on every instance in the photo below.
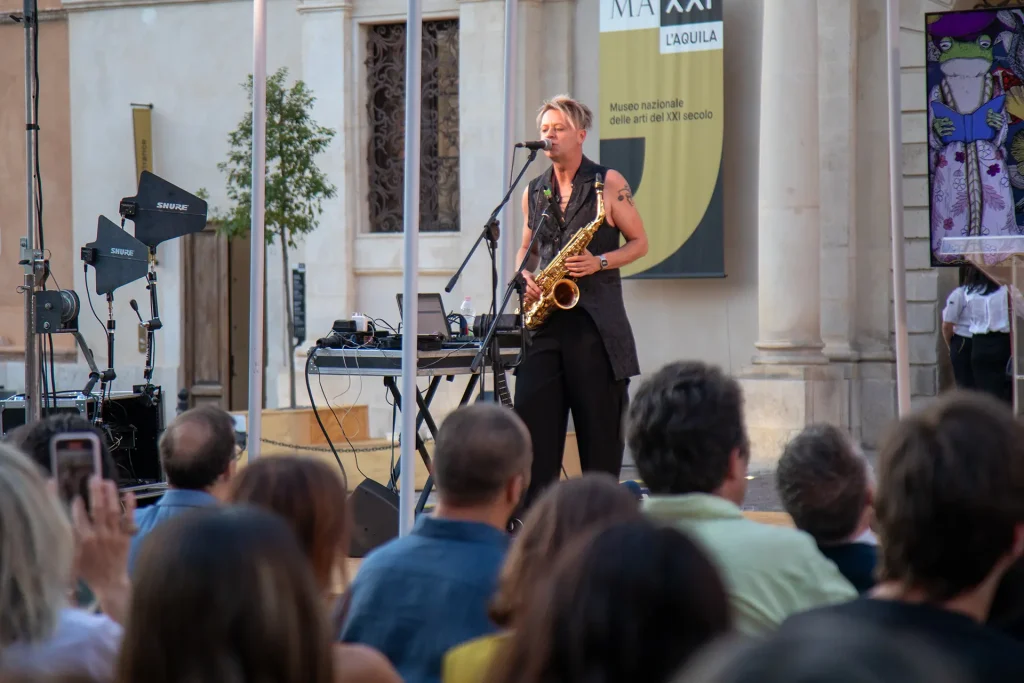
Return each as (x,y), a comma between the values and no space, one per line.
(30,257)
(410,259)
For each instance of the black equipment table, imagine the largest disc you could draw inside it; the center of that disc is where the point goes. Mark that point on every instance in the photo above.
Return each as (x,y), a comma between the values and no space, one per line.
(453,359)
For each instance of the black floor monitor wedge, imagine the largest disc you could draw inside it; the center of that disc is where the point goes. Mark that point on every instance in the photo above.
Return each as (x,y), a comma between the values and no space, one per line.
(375,513)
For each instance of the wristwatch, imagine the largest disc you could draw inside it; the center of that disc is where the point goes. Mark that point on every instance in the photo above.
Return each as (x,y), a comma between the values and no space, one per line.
(604,261)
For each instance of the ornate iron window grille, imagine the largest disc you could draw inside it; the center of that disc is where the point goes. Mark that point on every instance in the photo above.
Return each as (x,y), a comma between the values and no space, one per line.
(439,135)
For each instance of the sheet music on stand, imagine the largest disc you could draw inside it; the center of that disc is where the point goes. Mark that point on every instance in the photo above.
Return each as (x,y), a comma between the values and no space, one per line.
(1000,257)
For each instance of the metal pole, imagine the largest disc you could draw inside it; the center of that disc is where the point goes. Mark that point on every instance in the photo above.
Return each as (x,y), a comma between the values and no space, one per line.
(899,274)
(257,256)
(32,398)
(506,246)
(410,281)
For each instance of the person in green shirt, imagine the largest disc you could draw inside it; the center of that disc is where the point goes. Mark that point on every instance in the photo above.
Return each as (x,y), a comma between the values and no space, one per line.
(685,428)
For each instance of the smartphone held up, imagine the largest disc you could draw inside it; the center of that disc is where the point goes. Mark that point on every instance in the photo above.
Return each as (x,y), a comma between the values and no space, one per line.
(74,460)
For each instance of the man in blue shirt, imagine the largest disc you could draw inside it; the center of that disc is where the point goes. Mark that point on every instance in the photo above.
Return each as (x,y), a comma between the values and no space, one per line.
(198,455)
(416,597)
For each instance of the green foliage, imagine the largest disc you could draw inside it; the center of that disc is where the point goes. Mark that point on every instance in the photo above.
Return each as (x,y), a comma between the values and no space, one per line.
(295,187)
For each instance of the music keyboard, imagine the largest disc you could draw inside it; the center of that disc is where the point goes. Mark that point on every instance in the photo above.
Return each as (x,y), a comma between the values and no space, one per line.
(377,362)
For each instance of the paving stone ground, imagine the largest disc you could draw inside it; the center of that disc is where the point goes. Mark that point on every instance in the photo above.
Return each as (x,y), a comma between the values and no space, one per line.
(761,495)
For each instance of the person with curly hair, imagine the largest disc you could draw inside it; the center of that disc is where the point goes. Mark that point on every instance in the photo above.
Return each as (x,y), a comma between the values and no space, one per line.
(686,431)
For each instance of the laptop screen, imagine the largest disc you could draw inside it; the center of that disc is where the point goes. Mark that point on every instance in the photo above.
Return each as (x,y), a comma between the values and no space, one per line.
(431,319)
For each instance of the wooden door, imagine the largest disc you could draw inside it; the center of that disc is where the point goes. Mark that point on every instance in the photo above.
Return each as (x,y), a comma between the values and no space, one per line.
(239,257)
(205,316)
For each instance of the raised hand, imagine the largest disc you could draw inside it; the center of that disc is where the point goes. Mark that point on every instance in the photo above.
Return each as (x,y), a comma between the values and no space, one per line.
(102,540)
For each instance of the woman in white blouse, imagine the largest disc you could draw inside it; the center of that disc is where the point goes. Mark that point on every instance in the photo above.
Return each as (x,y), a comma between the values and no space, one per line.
(956,331)
(987,306)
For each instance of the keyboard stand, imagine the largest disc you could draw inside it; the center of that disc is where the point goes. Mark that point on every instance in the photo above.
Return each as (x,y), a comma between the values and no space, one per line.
(423,415)
(437,364)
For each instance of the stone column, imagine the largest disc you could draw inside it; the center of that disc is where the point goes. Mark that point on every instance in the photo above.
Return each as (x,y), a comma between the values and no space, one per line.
(791,383)
(789,234)
(327,55)
(838,109)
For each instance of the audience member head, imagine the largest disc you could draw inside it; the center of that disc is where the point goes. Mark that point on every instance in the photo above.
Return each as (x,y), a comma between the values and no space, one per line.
(822,647)
(826,484)
(482,461)
(41,677)
(225,594)
(562,513)
(33,439)
(950,502)
(36,550)
(628,602)
(198,450)
(1007,611)
(976,281)
(686,432)
(311,496)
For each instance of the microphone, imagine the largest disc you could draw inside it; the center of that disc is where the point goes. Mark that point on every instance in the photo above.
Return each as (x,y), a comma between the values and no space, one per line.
(135,307)
(535,144)
(555,209)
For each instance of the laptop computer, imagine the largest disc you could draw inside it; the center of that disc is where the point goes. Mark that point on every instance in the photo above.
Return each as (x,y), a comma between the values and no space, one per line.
(431,319)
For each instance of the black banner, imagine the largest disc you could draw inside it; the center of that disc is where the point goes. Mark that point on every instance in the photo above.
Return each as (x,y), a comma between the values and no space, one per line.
(299,303)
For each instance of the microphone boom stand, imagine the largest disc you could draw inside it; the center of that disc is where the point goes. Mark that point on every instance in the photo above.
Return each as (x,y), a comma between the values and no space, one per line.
(491,232)
(491,229)
(154,323)
(515,284)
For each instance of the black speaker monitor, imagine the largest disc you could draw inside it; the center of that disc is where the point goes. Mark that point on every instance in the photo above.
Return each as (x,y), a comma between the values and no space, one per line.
(375,511)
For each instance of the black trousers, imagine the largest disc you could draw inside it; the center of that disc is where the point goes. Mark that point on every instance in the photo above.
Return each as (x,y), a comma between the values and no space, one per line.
(960,359)
(567,368)
(990,354)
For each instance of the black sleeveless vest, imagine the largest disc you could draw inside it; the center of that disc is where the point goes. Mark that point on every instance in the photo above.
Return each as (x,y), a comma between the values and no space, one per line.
(600,293)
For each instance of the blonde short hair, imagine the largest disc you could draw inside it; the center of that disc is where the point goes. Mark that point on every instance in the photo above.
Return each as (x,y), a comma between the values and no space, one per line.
(576,113)
(36,548)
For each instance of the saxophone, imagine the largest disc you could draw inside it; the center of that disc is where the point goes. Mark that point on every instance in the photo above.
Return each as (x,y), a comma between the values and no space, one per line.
(558,288)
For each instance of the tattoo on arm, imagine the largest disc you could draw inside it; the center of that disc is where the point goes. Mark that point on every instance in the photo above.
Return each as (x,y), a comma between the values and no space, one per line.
(626,194)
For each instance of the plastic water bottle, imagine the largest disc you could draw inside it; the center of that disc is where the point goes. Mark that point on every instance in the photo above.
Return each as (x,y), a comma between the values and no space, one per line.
(467,312)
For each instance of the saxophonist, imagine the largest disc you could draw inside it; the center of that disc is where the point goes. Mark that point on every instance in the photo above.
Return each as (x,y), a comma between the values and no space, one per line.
(580,359)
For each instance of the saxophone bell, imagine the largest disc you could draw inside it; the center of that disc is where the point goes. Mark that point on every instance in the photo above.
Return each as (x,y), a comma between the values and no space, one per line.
(565,294)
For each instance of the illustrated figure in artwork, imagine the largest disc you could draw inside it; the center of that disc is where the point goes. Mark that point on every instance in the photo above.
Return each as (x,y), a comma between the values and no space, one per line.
(968,122)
